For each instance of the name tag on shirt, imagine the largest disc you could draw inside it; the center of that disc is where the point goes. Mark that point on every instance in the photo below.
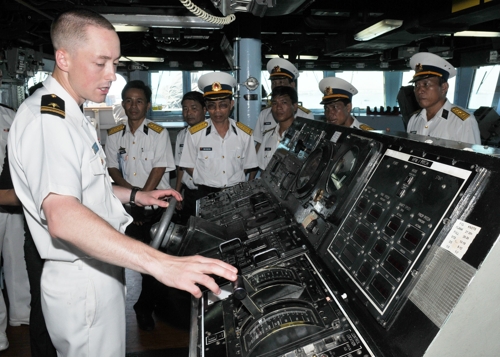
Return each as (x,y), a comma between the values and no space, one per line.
(267,123)
(267,149)
(205,149)
(181,145)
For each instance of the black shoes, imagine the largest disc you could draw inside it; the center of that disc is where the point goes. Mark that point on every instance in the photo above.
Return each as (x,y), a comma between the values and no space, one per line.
(145,321)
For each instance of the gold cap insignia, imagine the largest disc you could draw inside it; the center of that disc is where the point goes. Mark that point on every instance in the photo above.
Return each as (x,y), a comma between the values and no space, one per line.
(53,96)
(216,86)
(276,69)
(419,67)
(328,91)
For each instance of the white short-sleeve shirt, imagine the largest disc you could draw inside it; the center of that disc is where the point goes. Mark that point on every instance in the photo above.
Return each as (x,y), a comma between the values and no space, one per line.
(187,179)
(137,154)
(53,148)
(268,147)
(266,121)
(446,125)
(219,162)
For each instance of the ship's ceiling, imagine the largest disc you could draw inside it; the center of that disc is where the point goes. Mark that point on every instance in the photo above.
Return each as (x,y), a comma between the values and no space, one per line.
(297,28)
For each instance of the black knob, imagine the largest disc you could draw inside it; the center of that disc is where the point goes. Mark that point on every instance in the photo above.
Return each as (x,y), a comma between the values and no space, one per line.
(239,291)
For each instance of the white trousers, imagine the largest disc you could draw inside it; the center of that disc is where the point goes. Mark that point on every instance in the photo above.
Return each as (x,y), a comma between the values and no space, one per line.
(14,268)
(84,307)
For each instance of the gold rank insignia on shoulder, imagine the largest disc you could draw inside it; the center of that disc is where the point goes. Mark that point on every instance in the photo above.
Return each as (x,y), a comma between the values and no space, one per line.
(196,128)
(52,104)
(116,129)
(365,127)
(305,110)
(155,127)
(244,128)
(459,112)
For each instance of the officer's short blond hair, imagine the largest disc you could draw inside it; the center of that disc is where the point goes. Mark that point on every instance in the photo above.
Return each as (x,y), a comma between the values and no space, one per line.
(70,27)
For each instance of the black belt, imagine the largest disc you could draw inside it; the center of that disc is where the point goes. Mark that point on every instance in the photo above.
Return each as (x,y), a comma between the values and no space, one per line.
(209,189)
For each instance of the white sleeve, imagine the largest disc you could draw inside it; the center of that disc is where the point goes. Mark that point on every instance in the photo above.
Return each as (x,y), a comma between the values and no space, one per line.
(258,130)
(470,132)
(188,157)
(111,151)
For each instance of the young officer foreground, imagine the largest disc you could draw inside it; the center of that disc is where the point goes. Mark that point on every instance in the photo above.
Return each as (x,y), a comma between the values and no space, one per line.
(217,152)
(74,213)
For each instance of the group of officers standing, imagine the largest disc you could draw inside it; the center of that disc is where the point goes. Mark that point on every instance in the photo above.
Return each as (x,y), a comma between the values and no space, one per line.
(62,177)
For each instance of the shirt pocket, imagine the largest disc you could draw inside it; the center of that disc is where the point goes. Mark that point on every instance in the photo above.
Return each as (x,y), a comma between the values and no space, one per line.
(147,159)
(206,161)
(97,165)
(95,192)
(237,159)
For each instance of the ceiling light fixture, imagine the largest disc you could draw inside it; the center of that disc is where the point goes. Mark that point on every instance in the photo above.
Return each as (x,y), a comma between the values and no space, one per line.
(477,34)
(169,21)
(300,57)
(198,64)
(141,59)
(378,29)
(130,28)
(277,56)
(306,57)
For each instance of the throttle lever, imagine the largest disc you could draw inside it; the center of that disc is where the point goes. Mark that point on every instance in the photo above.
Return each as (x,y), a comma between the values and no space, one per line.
(240,293)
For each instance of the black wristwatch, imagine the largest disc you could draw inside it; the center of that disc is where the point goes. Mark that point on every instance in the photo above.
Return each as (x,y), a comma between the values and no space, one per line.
(132,195)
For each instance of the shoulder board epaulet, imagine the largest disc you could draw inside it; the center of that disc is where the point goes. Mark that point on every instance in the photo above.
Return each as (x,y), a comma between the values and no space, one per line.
(305,110)
(196,128)
(52,104)
(6,106)
(116,129)
(459,112)
(244,128)
(365,127)
(416,112)
(155,127)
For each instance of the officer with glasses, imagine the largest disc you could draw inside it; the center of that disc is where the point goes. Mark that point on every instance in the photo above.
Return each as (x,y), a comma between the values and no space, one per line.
(218,151)
(337,101)
(438,117)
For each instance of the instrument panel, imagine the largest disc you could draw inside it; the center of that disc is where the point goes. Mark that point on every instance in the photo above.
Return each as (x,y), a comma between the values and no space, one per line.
(292,313)
(334,243)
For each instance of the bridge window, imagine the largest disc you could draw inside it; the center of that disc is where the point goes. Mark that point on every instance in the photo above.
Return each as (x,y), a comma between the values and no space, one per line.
(167,88)
(370,86)
(483,89)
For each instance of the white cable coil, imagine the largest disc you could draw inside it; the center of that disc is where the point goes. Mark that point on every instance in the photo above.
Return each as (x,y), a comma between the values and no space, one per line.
(206,16)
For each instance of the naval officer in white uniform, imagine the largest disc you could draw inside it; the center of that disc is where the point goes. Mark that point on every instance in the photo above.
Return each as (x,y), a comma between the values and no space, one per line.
(218,151)
(284,103)
(281,73)
(75,215)
(337,101)
(438,117)
(11,249)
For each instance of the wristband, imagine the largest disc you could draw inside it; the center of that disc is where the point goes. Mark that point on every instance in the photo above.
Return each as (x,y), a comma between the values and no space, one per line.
(132,195)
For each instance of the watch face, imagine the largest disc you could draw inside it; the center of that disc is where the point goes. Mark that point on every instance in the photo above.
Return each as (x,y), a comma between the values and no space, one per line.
(341,171)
